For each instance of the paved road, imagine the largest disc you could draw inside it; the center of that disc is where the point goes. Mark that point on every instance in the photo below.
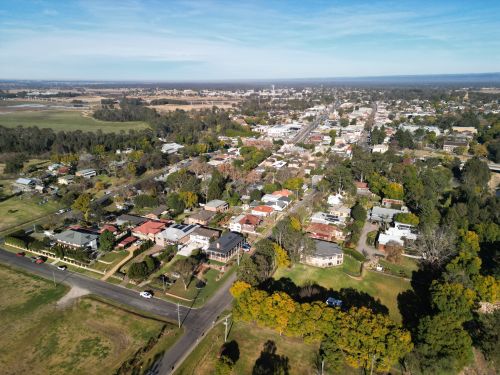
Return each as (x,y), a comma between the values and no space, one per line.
(196,322)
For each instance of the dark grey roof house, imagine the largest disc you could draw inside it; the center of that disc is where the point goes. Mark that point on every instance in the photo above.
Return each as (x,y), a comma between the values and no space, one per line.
(225,247)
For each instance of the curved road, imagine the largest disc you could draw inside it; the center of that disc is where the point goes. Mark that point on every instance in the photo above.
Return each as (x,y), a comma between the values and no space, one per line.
(196,322)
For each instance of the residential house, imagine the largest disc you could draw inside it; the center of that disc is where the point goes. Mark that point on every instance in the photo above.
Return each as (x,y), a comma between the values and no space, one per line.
(283,193)
(325,232)
(381,149)
(171,148)
(216,205)
(326,254)
(388,202)
(66,180)
(23,184)
(204,236)
(396,234)
(335,199)
(362,188)
(262,211)
(86,173)
(148,230)
(341,212)
(157,213)
(77,239)
(451,144)
(245,223)
(225,247)
(202,217)
(174,234)
(383,214)
(126,242)
(324,218)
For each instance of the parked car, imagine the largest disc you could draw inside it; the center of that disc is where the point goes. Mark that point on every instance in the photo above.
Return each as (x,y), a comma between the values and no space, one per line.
(246,247)
(62,267)
(39,260)
(21,254)
(332,302)
(146,294)
(33,259)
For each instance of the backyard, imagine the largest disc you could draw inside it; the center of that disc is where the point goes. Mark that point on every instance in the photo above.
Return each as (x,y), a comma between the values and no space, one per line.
(382,287)
(89,334)
(61,120)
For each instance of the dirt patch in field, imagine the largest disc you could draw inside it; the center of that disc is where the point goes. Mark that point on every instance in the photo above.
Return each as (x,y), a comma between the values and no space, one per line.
(74,293)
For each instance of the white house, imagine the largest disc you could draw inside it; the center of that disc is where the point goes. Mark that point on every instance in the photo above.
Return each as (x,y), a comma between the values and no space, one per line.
(171,148)
(335,199)
(398,233)
(382,149)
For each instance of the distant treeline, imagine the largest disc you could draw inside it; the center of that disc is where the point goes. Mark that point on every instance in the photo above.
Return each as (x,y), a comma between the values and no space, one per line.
(168,101)
(177,125)
(35,141)
(24,94)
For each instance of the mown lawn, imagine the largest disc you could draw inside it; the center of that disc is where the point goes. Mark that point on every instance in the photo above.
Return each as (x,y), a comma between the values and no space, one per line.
(66,120)
(23,208)
(87,337)
(379,286)
(199,296)
(404,268)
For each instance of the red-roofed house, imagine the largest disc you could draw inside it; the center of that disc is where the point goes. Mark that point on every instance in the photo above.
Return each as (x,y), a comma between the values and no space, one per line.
(362,188)
(249,223)
(325,232)
(127,241)
(262,211)
(149,229)
(110,228)
(283,193)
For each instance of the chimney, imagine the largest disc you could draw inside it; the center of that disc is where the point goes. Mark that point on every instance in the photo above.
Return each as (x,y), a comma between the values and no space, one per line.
(218,245)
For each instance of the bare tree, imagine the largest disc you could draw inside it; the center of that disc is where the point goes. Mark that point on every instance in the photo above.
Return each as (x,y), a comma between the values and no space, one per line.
(435,246)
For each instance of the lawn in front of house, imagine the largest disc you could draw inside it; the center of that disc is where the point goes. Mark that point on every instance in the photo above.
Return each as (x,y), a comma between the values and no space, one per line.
(39,337)
(381,287)
(193,292)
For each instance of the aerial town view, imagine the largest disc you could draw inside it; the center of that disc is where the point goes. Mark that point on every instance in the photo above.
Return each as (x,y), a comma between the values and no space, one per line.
(254,188)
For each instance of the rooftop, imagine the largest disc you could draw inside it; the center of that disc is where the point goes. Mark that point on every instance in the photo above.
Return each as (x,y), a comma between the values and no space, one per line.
(226,243)
(326,249)
(150,227)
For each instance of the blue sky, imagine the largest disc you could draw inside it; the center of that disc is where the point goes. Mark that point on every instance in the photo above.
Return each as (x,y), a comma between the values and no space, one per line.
(224,40)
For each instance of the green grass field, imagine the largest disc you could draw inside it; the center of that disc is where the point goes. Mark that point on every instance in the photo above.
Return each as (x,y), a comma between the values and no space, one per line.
(21,209)
(66,120)
(39,337)
(250,339)
(379,286)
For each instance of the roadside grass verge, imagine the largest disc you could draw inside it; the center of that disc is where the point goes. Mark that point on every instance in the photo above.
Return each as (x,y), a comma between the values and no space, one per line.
(88,335)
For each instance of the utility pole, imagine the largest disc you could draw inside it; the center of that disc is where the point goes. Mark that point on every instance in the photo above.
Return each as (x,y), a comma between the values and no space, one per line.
(322,366)
(226,324)
(179,314)
(373,360)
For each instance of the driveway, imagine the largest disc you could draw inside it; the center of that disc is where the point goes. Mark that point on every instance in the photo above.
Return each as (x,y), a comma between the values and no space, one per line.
(362,246)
